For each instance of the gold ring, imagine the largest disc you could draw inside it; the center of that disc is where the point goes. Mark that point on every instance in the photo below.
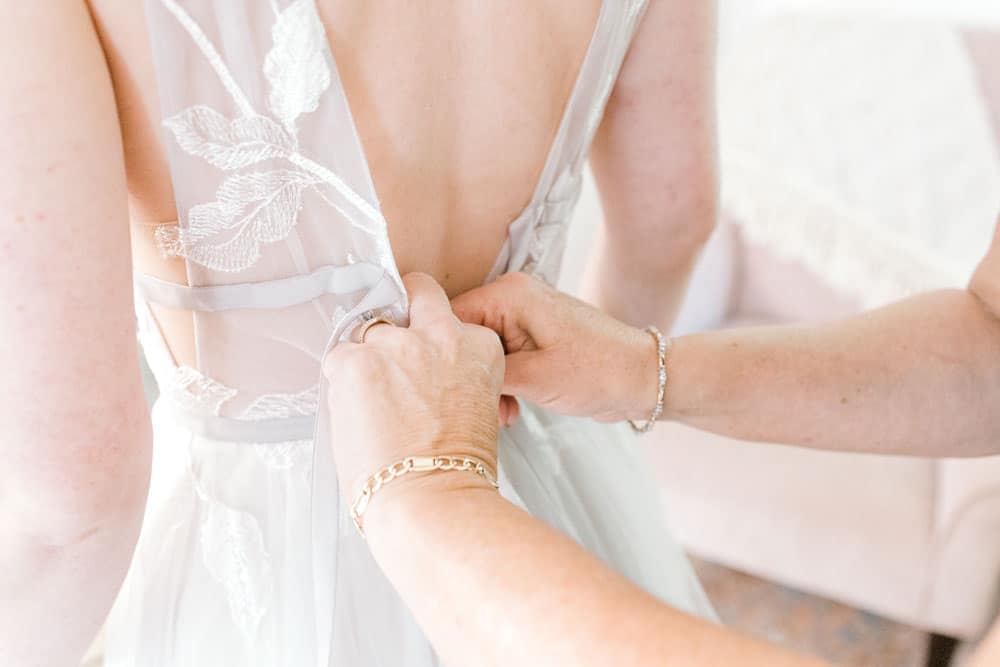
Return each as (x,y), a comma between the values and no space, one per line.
(369,323)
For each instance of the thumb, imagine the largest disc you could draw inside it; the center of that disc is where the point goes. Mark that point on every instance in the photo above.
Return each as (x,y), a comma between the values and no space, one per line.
(427,298)
(509,306)
(485,306)
(530,375)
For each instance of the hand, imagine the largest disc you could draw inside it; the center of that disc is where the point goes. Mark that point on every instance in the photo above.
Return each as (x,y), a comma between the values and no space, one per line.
(564,354)
(427,390)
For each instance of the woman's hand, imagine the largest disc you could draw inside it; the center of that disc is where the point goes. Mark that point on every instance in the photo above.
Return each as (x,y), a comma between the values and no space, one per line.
(564,354)
(428,390)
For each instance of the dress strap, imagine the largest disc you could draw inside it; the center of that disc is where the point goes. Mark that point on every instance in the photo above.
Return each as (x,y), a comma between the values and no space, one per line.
(263,295)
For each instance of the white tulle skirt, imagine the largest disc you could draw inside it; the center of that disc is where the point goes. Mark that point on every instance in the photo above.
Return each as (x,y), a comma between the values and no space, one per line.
(229,569)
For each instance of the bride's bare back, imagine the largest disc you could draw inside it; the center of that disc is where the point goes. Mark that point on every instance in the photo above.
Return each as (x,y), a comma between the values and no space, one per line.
(456,104)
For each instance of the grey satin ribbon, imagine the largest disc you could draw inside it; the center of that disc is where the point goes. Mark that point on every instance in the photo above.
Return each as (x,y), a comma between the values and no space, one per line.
(243,431)
(264,295)
(382,294)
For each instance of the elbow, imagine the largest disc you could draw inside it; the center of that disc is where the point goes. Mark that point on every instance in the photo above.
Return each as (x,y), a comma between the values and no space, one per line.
(678,241)
(703,221)
(669,242)
(690,213)
(64,517)
(69,519)
(61,501)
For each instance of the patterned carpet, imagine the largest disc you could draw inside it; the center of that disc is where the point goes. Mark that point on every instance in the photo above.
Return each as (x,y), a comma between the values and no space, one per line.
(808,624)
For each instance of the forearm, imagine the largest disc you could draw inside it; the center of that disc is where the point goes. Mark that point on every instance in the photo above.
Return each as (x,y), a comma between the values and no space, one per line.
(492,586)
(921,377)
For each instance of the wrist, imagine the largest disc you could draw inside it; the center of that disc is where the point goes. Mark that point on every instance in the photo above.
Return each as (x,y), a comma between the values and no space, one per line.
(641,375)
(690,379)
(420,497)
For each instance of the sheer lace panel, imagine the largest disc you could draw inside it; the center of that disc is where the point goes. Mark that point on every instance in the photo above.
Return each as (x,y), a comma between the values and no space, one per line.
(285,247)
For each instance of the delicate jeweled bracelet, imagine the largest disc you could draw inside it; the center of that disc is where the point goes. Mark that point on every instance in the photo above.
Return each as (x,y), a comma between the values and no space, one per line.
(662,348)
(416,464)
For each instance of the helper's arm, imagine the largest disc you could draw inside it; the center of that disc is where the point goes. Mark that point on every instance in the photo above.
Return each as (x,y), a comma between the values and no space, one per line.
(493,586)
(489,584)
(920,377)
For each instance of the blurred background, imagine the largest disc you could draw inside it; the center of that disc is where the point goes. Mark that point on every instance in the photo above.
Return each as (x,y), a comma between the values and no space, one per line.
(860,164)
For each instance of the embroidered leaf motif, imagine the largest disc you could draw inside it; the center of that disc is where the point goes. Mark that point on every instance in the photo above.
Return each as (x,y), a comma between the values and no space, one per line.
(225,235)
(196,393)
(296,66)
(233,551)
(287,456)
(229,144)
(281,406)
(250,209)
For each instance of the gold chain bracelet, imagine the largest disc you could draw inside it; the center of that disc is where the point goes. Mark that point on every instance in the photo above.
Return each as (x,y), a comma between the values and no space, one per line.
(416,464)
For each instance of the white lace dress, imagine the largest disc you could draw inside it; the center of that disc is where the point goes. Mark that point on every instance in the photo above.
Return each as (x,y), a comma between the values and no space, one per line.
(247,557)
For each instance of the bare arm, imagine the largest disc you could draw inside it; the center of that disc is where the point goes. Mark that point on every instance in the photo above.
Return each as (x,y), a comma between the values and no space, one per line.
(920,377)
(492,586)
(489,584)
(74,430)
(654,159)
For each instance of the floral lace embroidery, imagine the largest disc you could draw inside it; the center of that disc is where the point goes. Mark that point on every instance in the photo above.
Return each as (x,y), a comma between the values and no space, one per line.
(255,208)
(232,548)
(279,406)
(285,455)
(296,66)
(192,391)
(232,542)
(197,393)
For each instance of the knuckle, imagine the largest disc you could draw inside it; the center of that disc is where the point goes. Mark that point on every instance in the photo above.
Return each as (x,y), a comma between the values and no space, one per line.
(449,331)
(486,341)
(332,362)
(518,279)
(346,362)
